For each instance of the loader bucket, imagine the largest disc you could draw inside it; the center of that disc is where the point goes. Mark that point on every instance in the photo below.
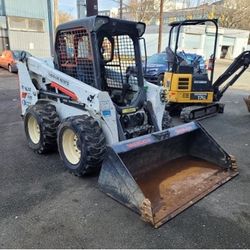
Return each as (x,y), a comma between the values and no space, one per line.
(247,101)
(161,174)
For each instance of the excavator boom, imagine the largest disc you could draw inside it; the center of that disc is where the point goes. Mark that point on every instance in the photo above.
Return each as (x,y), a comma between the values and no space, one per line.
(236,69)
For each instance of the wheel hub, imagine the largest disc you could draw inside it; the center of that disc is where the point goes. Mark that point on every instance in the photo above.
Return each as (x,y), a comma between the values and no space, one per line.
(71,146)
(34,130)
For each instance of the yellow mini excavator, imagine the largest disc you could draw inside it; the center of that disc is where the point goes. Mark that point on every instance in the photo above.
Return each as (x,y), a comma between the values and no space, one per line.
(191,92)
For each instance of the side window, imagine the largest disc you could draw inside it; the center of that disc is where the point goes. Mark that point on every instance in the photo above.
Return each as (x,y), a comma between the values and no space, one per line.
(69,40)
(73,45)
(65,48)
(107,49)
(83,47)
(74,54)
(119,65)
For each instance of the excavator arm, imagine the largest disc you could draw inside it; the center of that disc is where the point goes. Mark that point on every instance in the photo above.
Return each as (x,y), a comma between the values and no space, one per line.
(235,70)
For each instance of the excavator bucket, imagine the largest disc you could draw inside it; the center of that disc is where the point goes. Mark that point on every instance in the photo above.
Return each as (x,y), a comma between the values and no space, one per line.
(247,101)
(161,174)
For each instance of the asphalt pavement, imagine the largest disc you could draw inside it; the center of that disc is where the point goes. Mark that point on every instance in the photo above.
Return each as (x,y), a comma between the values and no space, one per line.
(43,206)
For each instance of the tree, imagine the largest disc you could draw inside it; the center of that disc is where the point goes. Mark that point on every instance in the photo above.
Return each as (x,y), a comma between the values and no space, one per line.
(64,16)
(233,14)
(143,10)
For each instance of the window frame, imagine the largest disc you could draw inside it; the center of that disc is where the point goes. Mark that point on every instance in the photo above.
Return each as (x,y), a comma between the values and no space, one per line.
(27,26)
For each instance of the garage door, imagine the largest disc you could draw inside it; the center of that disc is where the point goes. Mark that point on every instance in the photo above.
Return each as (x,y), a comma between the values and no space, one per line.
(228,41)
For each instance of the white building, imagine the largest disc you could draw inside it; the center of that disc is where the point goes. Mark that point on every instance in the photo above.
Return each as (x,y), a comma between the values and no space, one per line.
(26,25)
(200,40)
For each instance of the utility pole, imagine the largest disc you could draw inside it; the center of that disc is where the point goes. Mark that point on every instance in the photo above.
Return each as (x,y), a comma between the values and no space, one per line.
(51,26)
(92,7)
(81,9)
(121,4)
(160,26)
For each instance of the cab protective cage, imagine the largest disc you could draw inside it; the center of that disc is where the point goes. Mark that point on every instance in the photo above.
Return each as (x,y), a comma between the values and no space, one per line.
(94,29)
(179,25)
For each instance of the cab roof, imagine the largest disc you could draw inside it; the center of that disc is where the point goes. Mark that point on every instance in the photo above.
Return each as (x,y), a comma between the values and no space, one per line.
(193,22)
(96,23)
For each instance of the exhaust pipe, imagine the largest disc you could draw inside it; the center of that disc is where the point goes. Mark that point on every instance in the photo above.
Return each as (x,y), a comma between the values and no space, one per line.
(161,174)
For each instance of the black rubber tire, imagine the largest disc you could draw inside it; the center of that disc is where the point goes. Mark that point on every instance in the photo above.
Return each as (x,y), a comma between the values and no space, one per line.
(48,121)
(91,142)
(160,80)
(166,120)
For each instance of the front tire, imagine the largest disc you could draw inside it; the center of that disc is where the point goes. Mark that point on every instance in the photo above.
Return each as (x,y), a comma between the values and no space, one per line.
(40,124)
(81,144)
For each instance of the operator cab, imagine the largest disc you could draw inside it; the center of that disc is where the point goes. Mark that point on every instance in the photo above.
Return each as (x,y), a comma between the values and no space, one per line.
(100,51)
(105,53)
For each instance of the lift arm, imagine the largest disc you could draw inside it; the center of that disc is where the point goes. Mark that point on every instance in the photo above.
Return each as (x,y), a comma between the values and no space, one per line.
(240,64)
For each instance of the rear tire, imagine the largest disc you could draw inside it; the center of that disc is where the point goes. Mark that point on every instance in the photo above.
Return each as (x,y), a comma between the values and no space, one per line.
(81,144)
(40,124)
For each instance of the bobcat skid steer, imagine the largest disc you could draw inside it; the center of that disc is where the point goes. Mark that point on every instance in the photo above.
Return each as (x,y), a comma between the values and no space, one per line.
(88,105)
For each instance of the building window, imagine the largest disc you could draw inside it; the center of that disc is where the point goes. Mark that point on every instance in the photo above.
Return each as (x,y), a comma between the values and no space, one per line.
(36,25)
(3,22)
(26,24)
(18,23)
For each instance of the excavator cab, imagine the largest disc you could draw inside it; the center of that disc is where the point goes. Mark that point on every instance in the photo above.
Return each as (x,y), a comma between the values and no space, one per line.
(188,79)
(100,51)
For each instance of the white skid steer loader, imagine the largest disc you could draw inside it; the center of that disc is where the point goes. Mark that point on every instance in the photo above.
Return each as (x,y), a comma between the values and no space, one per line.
(93,105)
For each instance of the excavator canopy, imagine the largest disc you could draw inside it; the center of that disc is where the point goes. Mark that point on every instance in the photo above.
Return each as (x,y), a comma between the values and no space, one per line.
(161,174)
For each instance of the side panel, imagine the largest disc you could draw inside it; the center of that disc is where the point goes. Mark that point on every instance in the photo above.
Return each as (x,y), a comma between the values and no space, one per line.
(179,90)
(155,96)
(108,114)
(28,93)
(190,97)
(178,82)
(85,93)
